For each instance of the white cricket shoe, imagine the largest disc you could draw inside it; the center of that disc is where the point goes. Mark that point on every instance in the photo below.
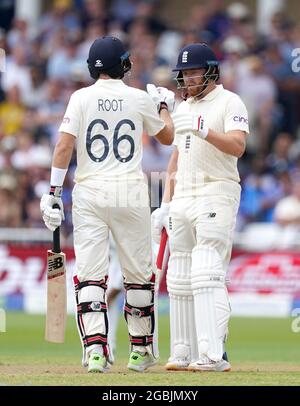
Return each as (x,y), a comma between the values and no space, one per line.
(177,364)
(214,366)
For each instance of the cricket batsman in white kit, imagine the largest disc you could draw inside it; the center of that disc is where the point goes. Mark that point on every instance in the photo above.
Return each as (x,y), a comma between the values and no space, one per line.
(199,211)
(106,121)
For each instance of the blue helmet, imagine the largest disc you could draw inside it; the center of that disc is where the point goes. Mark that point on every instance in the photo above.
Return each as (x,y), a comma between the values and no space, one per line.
(197,56)
(108,55)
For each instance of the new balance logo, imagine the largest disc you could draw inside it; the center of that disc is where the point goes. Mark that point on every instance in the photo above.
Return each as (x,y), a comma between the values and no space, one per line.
(212,215)
(55,263)
(184,56)
(98,63)
(96,306)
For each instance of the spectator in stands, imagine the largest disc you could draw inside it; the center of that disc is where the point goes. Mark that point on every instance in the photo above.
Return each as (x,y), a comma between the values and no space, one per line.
(287,214)
(51,110)
(260,193)
(233,66)
(10,208)
(94,12)
(288,87)
(60,16)
(12,113)
(258,91)
(279,158)
(17,72)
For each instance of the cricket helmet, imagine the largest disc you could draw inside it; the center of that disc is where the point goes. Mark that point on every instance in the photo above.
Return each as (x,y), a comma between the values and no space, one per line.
(197,56)
(108,55)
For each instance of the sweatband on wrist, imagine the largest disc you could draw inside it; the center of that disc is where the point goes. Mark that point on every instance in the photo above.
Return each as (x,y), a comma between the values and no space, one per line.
(55,191)
(163,106)
(204,132)
(164,205)
(57,176)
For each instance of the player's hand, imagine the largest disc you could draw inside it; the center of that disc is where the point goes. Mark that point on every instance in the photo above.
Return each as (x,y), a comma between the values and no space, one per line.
(187,122)
(160,220)
(52,217)
(161,95)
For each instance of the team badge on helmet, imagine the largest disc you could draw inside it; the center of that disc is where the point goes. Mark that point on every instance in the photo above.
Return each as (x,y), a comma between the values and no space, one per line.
(197,56)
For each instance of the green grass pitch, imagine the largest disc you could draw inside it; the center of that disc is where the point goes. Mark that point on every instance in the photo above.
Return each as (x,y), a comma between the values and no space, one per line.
(261,351)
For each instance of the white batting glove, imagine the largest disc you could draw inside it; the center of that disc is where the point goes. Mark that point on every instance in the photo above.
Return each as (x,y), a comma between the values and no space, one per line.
(187,122)
(159,220)
(52,217)
(161,95)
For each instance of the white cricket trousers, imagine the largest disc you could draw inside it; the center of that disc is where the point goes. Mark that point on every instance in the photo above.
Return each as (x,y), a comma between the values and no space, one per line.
(203,220)
(122,208)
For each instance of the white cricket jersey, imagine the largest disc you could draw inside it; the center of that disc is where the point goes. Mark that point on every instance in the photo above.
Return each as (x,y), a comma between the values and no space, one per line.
(202,168)
(108,119)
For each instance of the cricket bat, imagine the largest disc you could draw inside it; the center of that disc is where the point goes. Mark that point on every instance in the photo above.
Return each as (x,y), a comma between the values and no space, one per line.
(162,258)
(56,292)
(161,267)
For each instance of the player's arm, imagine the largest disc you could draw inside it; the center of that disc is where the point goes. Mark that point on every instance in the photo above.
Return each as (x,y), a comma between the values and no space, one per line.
(232,143)
(61,159)
(235,120)
(170,178)
(68,130)
(60,162)
(160,216)
(166,134)
(164,101)
(63,151)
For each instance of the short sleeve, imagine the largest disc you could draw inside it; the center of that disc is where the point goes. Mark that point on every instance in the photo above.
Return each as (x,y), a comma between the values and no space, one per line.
(153,124)
(71,120)
(236,115)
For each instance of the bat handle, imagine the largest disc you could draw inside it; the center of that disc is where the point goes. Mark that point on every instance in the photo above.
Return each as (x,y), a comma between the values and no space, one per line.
(56,234)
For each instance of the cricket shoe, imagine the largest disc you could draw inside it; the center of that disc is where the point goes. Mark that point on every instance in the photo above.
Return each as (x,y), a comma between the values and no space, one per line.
(177,364)
(97,363)
(209,365)
(140,362)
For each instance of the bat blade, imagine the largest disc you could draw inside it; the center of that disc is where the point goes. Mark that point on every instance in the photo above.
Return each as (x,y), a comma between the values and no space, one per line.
(162,257)
(161,267)
(56,297)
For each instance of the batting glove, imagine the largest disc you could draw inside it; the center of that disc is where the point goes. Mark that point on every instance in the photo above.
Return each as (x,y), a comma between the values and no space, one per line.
(159,220)
(161,95)
(186,122)
(52,217)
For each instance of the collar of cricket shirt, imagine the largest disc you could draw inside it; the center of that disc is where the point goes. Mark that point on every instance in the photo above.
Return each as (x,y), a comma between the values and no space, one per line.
(210,96)
(101,82)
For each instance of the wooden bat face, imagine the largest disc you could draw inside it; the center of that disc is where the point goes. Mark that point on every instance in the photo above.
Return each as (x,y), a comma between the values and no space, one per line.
(55,264)
(56,298)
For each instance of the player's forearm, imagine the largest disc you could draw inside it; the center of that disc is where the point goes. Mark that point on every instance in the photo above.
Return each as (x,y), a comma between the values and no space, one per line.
(61,160)
(170,179)
(166,135)
(232,143)
(63,151)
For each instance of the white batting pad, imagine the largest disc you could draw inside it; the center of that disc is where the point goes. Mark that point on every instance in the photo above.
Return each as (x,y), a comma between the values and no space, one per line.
(182,325)
(139,326)
(93,321)
(212,308)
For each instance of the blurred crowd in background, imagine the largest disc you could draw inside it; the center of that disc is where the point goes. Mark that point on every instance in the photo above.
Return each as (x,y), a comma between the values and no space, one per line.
(46,62)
